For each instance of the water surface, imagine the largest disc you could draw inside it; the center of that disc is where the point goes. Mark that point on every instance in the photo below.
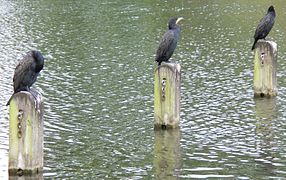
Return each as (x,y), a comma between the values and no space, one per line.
(98,89)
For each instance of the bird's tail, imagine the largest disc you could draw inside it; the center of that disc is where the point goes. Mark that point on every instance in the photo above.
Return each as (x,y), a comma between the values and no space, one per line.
(253,46)
(8,103)
(158,60)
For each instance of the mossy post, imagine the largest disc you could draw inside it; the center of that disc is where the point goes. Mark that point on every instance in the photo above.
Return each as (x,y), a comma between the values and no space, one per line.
(265,69)
(167,89)
(26,134)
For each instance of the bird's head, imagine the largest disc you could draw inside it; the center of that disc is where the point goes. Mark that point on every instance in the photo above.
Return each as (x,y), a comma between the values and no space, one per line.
(38,56)
(173,22)
(271,9)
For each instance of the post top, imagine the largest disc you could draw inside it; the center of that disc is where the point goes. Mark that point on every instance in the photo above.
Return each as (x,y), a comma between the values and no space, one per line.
(33,96)
(32,93)
(271,43)
(170,65)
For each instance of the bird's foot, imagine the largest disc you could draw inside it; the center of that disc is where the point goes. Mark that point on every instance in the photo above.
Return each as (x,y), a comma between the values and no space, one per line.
(167,61)
(34,93)
(37,97)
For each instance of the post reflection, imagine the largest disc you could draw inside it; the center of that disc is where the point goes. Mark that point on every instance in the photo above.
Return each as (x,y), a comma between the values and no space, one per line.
(167,151)
(38,176)
(265,113)
(265,108)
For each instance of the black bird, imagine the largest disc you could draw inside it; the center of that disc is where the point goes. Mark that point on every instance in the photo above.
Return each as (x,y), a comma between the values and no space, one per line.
(27,71)
(169,41)
(265,25)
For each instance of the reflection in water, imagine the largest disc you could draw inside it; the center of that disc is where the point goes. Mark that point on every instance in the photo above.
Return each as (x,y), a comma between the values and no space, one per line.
(266,111)
(167,153)
(266,108)
(38,176)
(98,88)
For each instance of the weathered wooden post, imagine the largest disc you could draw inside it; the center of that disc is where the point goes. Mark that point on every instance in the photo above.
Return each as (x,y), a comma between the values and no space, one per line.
(167,89)
(265,69)
(26,134)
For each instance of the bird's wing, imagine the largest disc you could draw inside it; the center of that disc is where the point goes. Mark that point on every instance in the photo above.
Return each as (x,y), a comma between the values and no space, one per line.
(165,43)
(264,26)
(21,69)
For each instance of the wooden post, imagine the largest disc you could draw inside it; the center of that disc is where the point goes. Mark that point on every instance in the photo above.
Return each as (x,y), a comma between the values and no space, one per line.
(26,134)
(167,89)
(265,69)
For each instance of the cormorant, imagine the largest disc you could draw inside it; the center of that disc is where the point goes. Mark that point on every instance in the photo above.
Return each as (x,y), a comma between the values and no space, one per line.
(265,25)
(27,71)
(169,41)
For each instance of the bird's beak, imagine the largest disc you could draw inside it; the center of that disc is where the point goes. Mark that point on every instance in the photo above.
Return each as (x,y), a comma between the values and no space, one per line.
(179,19)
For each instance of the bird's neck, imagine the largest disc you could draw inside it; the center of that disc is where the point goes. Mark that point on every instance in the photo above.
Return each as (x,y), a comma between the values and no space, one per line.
(177,28)
(39,66)
(272,12)
(173,27)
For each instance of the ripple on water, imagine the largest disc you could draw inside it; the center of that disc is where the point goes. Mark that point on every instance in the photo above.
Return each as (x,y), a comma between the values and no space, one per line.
(98,89)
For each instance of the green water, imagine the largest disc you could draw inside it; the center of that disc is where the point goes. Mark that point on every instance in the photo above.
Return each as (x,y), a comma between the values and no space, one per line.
(98,88)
